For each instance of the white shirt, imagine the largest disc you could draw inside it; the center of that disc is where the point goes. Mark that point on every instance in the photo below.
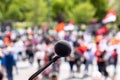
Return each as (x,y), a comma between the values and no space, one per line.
(40,55)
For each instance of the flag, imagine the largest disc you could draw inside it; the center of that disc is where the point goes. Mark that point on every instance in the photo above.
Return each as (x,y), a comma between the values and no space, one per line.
(102,30)
(60,27)
(110,17)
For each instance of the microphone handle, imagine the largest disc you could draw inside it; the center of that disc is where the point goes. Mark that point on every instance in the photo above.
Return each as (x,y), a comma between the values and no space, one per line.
(43,68)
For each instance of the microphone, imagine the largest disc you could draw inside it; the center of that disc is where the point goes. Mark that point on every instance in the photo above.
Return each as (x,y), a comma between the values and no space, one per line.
(62,48)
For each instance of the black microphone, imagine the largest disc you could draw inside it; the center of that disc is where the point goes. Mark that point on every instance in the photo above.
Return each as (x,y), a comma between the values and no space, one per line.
(62,48)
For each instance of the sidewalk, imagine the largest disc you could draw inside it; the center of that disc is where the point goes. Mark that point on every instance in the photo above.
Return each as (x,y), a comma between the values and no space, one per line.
(26,70)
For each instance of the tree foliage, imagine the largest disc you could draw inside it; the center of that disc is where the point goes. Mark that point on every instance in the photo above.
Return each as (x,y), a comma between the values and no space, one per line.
(38,11)
(118,12)
(101,8)
(81,13)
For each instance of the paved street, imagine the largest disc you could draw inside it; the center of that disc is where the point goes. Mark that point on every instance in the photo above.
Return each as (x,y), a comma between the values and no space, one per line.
(25,71)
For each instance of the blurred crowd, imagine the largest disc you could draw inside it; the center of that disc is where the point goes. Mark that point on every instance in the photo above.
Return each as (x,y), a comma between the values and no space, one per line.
(38,45)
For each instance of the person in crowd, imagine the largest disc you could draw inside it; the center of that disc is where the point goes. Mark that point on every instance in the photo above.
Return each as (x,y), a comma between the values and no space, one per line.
(114,58)
(19,48)
(55,67)
(45,74)
(15,54)
(101,62)
(42,44)
(77,58)
(39,56)
(89,57)
(71,60)
(29,51)
(9,63)
(74,59)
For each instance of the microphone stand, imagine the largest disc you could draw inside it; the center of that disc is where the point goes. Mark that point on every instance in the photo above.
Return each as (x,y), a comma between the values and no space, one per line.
(43,68)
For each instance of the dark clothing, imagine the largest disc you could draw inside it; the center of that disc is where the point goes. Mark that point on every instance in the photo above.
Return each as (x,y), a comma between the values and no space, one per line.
(9,63)
(1,75)
(102,64)
(102,68)
(114,58)
(9,60)
(29,52)
(71,63)
(30,56)
(38,61)
(76,60)
(9,73)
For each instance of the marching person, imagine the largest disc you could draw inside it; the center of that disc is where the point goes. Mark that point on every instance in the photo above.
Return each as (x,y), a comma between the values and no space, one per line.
(9,63)
(101,62)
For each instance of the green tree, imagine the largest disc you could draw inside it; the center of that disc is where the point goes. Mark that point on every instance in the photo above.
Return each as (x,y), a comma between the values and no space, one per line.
(13,10)
(38,12)
(101,8)
(83,12)
(23,10)
(117,8)
(77,10)
(59,10)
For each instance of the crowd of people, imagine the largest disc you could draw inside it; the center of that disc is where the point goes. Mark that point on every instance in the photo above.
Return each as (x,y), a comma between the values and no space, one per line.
(38,45)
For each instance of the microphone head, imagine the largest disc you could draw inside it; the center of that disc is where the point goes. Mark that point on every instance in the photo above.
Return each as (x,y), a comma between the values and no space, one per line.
(62,48)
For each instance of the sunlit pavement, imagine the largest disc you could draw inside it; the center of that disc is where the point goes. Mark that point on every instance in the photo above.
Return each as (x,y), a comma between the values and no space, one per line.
(25,70)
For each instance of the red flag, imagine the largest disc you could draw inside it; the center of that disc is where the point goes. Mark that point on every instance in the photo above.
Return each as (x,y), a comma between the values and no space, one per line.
(60,27)
(110,17)
(102,30)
